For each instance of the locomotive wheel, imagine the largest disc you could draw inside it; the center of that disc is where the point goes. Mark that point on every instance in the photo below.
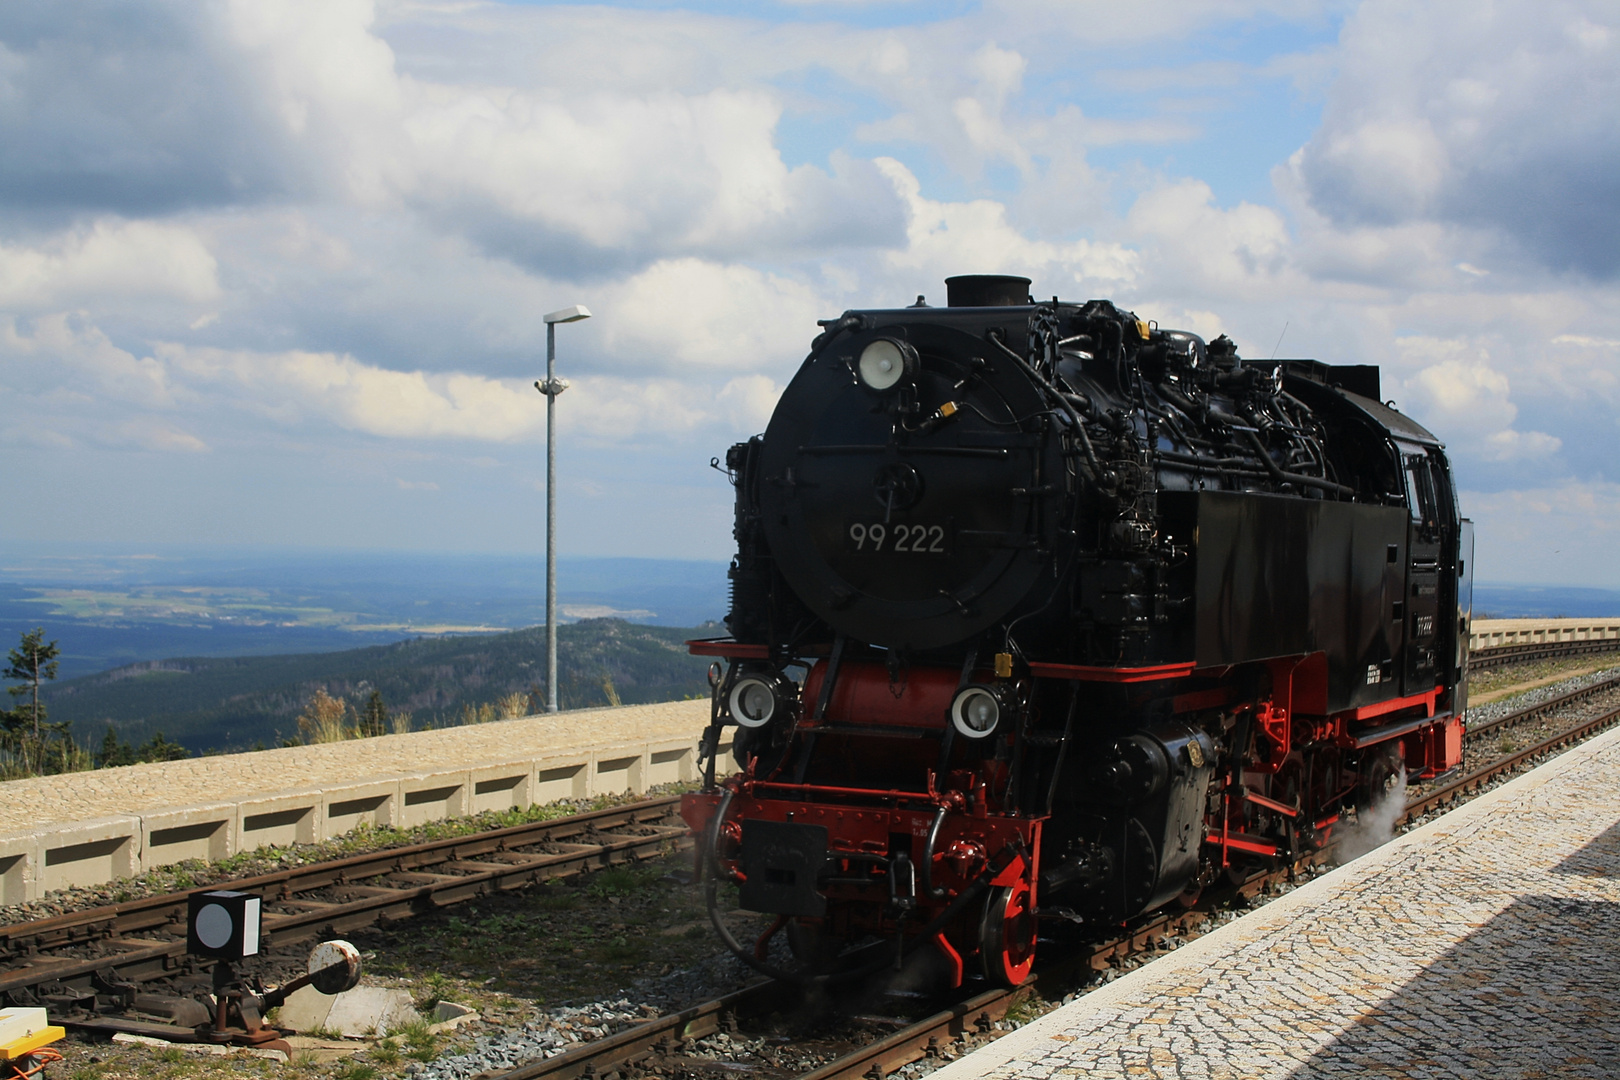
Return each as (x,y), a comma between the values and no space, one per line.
(1385,773)
(1007,936)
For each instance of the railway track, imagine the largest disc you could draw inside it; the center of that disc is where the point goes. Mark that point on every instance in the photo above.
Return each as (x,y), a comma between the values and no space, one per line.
(1541,709)
(58,961)
(1519,654)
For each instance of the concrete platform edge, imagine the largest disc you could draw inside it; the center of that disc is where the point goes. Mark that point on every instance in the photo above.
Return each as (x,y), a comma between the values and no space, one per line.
(96,850)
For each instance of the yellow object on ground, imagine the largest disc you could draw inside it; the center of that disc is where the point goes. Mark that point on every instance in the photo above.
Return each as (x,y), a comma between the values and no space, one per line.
(29,1043)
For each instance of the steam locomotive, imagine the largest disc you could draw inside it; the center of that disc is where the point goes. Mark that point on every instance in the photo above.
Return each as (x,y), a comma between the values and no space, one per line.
(1040,611)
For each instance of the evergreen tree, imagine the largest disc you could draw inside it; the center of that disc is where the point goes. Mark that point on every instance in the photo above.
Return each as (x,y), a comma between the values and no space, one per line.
(113,752)
(374,719)
(25,731)
(157,748)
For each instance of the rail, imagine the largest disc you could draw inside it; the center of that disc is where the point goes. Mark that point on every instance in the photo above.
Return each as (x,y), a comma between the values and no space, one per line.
(142,940)
(1498,655)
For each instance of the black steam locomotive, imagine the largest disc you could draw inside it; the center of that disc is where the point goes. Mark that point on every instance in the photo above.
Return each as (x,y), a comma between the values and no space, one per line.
(1042,611)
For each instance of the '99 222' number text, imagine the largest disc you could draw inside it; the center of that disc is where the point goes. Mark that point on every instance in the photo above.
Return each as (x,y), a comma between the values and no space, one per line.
(908,539)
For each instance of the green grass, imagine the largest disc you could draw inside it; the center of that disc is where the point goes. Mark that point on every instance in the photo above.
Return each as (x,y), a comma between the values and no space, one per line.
(421,1043)
(386,1052)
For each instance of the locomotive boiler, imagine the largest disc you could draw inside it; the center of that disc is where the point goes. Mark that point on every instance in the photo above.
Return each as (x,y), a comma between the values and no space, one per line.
(1043,612)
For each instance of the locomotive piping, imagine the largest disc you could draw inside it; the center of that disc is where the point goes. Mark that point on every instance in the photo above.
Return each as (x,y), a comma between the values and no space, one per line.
(1293,478)
(1063,748)
(934,892)
(1094,467)
(937,924)
(716,870)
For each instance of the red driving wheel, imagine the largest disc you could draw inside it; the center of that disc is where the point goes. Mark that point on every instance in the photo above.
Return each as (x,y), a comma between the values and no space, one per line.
(1007,935)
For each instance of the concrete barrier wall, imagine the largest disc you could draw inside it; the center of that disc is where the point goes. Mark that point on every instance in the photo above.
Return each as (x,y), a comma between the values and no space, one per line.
(1493,633)
(55,855)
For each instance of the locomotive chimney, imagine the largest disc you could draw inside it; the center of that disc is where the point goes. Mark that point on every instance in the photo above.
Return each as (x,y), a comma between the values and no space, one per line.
(986,290)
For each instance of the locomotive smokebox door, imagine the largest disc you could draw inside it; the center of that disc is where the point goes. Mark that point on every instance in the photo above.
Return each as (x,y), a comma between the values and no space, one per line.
(223,924)
(781,861)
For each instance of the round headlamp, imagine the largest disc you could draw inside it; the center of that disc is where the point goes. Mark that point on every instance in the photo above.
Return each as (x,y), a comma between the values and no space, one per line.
(884,363)
(757,699)
(975,711)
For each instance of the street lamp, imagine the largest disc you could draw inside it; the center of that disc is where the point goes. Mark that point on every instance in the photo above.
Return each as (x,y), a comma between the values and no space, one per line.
(551,388)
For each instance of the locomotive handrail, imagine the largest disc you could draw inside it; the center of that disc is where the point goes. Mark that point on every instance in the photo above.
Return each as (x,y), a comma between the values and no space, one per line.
(907,448)
(825,789)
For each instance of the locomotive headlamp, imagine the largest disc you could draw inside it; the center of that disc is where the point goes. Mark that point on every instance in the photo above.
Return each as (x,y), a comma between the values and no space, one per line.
(757,699)
(975,711)
(884,363)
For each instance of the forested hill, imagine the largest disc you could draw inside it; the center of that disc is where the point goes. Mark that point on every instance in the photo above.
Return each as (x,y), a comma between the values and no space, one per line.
(236,703)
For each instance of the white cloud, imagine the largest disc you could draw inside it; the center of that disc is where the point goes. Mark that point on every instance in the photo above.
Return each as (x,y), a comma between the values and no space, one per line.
(1459,393)
(691,316)
(1196,245)
(946,238)
(109,259)
(1503,117)
(317,107)
(60,349)
(148,433)
(313,390)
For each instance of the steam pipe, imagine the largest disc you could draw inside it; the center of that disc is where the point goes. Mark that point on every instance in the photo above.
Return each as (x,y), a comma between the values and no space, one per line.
(1293,478)
(934,892)
(1094,466)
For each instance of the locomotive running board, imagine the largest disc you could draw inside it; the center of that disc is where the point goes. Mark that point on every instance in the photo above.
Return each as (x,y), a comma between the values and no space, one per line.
(1365,737)
(1085,673)
(728,648)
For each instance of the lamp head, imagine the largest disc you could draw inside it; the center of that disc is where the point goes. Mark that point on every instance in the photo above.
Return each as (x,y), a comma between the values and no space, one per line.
(569,314)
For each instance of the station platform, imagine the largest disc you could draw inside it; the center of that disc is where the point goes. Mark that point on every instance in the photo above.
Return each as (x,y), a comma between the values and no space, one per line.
(89,828)
(1485,944)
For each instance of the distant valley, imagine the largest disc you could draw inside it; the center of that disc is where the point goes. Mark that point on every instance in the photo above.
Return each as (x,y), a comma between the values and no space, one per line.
(110,608)
(237,703)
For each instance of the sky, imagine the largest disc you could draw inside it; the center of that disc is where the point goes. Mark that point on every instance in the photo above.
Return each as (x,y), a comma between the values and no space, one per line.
(274,273)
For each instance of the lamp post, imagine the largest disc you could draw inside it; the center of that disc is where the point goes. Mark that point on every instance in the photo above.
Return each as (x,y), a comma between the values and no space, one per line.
(551,388)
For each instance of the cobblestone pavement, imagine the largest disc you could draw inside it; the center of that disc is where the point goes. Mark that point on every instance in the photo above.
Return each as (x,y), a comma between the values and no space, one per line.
(1484,945)
(40,801)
